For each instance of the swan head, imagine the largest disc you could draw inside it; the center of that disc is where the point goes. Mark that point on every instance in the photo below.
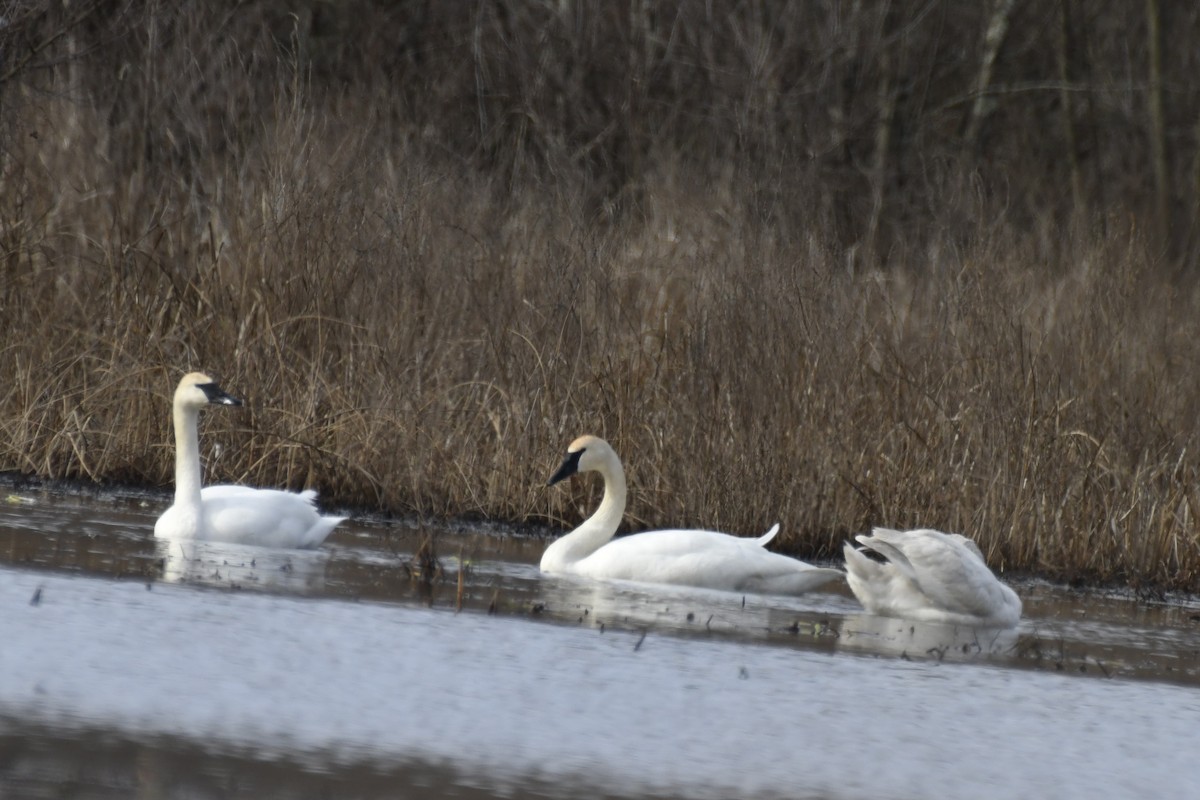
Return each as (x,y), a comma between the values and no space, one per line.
(197,390)
(585,454)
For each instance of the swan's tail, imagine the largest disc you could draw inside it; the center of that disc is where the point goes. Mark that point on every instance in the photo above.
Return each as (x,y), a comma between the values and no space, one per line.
(768,536)
(320,530)
(887,543)
(859,565)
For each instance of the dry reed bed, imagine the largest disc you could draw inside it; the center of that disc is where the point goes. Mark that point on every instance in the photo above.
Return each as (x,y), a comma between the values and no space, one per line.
(416,333)
(416,340)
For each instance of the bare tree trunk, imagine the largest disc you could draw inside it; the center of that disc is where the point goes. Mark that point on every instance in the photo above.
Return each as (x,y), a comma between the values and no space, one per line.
(1157,121)
(886,109)
(1090,129)
(992,40)
(1065,48)
(1193,223)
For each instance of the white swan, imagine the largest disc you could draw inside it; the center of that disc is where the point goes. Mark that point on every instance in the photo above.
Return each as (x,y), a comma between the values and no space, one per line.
(929,576)
(235,514)
(684,557)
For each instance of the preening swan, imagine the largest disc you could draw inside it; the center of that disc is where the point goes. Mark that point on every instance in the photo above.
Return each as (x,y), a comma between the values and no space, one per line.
(236,514)
(685,557)
(929,576)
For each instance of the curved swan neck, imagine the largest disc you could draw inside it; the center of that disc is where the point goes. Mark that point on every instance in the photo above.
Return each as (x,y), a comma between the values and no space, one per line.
(597,529)
(608,516)
(187,455)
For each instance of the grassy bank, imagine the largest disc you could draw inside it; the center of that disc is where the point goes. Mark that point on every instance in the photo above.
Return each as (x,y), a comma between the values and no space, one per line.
(421,328)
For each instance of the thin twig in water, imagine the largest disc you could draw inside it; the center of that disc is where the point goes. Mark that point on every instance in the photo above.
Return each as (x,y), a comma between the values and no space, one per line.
(458,597)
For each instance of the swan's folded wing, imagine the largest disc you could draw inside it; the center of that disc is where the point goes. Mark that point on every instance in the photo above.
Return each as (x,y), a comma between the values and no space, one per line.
(269,517)
(672,543)
(952,576)
(764,571)
(969,544)
(657,557)
(695,558)
(233,491)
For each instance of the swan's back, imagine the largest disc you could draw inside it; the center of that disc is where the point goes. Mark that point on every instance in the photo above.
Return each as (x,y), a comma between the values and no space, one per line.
(245,515)
(706,559)
(931,576)
(265,517)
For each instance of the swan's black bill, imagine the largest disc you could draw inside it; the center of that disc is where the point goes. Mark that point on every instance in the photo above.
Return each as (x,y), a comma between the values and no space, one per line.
(217,395)
(569,467)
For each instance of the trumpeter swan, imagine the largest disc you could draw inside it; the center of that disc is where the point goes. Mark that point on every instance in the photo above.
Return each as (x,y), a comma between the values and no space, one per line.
(929,576)
(236,514)
(685,557)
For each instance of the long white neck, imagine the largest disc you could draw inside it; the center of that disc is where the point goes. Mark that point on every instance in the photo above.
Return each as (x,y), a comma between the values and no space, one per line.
(596,530)
(187,456)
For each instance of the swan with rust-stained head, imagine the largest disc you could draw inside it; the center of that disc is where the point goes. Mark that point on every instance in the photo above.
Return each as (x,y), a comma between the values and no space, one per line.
(929,576)
(705,559)
(235,514)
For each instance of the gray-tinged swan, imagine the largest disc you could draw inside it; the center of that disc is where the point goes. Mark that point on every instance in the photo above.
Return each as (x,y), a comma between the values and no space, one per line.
(929,576)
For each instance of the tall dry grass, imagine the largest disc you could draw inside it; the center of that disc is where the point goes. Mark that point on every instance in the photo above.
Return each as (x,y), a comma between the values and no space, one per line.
(421,330)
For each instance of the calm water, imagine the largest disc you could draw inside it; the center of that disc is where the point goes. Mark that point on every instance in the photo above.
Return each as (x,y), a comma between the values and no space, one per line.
(130,668)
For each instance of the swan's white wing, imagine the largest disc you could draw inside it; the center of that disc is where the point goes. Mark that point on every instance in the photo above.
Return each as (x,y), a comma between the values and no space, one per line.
(707,569)
(234,492)
(676,542)
(969,544)
(266,517)
(702,558)
(779,574)
(950,574)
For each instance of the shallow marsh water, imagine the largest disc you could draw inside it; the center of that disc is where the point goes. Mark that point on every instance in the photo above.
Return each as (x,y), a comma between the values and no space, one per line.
(129,667)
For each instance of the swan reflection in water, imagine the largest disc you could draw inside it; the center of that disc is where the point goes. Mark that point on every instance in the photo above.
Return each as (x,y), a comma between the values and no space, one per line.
(224,565)
(890,636)
(633,606)
(825,620)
